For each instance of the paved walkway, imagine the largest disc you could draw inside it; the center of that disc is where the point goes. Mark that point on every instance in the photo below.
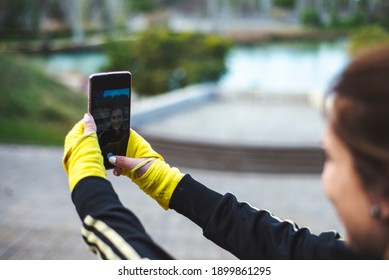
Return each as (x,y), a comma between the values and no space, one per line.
(38,220)
(245,119)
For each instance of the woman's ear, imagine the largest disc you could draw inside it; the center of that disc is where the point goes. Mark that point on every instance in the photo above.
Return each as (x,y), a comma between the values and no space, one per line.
(380,206)
(383,204)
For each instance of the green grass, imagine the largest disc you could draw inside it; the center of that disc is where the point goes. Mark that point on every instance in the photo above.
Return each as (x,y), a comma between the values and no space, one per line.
(367,37)
(34,108)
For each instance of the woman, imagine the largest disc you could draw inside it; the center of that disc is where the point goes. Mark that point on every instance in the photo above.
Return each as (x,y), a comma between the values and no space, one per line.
(355,178)
(115,131)
(114,139)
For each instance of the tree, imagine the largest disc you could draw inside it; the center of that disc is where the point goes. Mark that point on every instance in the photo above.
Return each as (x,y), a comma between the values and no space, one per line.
(18,15)
(286,4)
(161,60)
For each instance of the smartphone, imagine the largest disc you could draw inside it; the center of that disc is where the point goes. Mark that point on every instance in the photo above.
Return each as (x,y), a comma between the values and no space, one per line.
(109,102)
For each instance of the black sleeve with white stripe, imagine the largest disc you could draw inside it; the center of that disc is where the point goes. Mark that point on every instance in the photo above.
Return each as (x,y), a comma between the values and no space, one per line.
(109,229)
(249,233)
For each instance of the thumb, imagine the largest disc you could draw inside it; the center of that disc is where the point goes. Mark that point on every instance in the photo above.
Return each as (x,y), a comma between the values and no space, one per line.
(125,162)
(89,124)
(137,166)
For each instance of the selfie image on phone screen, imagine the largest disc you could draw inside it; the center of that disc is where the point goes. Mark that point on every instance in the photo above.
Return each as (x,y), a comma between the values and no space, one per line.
(109,102)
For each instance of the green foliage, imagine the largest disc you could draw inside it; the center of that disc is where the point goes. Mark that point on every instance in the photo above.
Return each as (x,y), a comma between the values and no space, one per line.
(33,107)
(311,18)
(286,4)
(143,5)
(161,60)
(357,20)
(150,5)
(14,11)
(367,37)
(353,21)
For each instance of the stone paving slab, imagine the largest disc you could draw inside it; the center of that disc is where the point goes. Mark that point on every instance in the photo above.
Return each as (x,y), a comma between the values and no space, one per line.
(38,220)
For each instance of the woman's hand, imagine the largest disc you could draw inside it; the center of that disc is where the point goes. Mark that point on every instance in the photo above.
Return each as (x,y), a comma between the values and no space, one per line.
(124,163)
(147,169)
(82,156)
(89,124)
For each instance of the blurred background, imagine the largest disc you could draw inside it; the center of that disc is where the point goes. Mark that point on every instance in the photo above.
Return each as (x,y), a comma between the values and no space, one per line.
(229,91)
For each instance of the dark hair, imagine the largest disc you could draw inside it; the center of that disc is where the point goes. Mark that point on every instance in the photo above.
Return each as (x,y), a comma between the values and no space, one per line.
(114,109)
(360,115)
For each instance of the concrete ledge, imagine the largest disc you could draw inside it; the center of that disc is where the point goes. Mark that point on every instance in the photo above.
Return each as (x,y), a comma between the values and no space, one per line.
(149,109)
(228,157)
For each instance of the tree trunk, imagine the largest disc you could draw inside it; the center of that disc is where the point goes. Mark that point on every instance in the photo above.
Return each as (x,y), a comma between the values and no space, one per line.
(45,42)
(74,14)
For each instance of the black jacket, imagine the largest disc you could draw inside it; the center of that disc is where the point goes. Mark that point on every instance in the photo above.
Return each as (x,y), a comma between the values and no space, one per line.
(114,232)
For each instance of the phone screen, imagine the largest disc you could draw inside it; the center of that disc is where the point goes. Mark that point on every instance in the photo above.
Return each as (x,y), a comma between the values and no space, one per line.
(109,104)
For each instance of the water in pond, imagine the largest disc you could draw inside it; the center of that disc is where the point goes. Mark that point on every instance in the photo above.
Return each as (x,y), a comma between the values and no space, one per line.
(285,68)
(83,63)
(271,68)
